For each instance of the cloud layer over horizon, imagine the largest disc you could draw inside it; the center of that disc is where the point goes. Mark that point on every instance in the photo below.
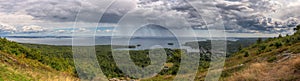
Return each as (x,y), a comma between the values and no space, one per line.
(239,16)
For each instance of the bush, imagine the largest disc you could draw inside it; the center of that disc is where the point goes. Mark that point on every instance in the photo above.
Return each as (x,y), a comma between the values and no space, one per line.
(259,40)
(262,47)
(272,59)
(278,44)
(246,54)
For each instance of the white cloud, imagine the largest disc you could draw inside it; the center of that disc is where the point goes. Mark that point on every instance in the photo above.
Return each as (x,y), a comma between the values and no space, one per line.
(108,30)
(61,31)
(263,16)
(99,30)
(17,19)
(32,29)
(81,30)
(5,28)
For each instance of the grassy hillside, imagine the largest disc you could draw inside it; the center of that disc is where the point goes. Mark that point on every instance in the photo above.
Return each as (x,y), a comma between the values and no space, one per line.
(273,59)
(18,63)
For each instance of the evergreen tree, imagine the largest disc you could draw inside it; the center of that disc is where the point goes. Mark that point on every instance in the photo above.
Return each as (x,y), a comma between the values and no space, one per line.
(297,28)
(240,47)
(246,54)
(259,40)
(280,36)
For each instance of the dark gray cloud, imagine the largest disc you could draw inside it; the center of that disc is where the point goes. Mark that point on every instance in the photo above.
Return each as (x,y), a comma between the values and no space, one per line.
(54,10)
(66,10)
(252,16)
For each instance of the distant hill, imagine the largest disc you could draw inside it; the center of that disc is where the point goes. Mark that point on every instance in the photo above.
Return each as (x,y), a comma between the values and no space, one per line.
(19,63)
(232,46)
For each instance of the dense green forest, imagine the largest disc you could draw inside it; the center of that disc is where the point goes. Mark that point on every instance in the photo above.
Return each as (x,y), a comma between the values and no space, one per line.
(60,57)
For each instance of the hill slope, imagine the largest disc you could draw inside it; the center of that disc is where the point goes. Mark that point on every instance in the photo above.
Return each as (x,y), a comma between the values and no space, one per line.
(18,63)
(274,59)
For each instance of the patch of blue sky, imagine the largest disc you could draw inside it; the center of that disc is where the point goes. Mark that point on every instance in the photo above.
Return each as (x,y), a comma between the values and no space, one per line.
(87,28)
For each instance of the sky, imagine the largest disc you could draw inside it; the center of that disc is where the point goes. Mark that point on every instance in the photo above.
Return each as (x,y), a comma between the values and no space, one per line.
(241,18)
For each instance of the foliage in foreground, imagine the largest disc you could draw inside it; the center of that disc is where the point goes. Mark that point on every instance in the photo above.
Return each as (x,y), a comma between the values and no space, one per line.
(18,63)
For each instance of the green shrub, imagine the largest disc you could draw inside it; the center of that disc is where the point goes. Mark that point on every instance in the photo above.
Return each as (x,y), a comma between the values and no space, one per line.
(278,44)
(246,54)
(272,59)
